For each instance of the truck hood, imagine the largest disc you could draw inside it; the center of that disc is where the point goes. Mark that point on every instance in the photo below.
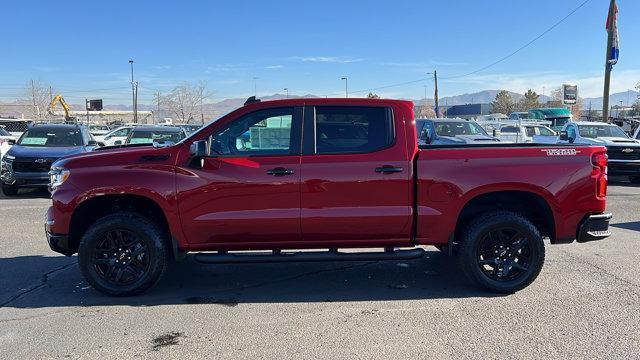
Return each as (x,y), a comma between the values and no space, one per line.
(119,156)
(44,152)
(612,141)
(466,139)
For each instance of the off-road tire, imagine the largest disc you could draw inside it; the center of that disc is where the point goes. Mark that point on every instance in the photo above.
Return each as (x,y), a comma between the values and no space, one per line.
(476,234)
(149,237)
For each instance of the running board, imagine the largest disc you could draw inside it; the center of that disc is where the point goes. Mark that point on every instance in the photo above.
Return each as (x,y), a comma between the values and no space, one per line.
(332,255)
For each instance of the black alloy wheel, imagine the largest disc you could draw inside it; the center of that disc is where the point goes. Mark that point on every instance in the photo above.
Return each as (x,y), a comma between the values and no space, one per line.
(121,257)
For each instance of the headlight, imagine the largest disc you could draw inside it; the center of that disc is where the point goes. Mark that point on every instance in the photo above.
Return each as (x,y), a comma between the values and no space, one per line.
(9,157)
(58,176)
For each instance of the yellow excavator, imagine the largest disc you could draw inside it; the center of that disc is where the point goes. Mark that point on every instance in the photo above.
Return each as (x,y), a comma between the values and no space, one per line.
(52,108)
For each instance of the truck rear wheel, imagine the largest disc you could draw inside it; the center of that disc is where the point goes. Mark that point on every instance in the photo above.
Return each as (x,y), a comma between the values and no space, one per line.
(123,254)
(502,252)
(9,190)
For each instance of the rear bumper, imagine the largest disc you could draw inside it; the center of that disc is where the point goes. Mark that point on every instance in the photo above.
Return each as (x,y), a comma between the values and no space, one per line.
(594,227)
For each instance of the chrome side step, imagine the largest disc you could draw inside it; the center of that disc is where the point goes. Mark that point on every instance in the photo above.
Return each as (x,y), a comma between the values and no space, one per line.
(281,256)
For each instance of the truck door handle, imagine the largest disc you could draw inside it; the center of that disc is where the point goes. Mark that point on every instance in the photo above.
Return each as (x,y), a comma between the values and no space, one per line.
(280,171)
(387,169)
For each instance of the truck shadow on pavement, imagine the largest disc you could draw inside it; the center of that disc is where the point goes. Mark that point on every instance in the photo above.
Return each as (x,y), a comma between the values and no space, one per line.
(631,225)
(188,282)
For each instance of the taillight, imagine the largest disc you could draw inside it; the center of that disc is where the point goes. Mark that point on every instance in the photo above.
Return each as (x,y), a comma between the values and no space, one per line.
(599,161)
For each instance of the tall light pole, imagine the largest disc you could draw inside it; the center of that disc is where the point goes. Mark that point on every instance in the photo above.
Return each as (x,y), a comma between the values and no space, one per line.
(255,87)
(287,90)
(346,86)
(134,88)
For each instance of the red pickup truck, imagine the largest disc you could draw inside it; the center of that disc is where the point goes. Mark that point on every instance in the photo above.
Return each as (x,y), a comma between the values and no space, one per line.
(274,178)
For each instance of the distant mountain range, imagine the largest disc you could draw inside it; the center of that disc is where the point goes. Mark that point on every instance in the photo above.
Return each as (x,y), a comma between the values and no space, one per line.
(627,98)
(217,109)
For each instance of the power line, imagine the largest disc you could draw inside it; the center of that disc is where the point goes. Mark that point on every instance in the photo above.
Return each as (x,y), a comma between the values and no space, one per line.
(556,24)
(521,47)
(383,87)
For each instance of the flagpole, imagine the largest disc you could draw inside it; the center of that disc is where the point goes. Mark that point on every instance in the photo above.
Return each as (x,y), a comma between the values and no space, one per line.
(608,65)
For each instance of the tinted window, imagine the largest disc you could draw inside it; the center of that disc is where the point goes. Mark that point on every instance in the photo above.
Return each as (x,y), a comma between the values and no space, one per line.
(264,132)
(122,132)
(58,137)
(453,128)
(4,132)
(151,136)
(546,131)
(510,129)
(345,129)
(596,131)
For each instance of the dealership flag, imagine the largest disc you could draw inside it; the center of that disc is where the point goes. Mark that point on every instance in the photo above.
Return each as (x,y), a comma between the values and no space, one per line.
(612,26)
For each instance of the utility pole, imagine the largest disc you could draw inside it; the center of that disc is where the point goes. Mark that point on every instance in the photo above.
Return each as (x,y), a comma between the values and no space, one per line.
(608,65)
(437,107)
(134,95)
(157,108)
(287,90)
(346,86)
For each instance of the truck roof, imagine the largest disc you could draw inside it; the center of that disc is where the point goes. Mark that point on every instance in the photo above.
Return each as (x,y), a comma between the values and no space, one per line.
(332,101)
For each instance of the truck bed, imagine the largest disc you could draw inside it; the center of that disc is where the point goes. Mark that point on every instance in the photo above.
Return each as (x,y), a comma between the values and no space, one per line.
(449,177)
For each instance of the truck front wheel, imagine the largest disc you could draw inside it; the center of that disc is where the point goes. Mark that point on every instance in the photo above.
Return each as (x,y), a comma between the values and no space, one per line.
(501,251)
(123,254)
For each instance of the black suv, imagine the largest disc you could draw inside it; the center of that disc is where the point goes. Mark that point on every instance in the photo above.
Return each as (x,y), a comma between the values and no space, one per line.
(28,162)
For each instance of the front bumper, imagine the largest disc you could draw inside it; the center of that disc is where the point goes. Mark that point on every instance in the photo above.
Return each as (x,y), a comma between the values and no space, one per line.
(59,243)
(618,167)
(26,179)
(594,227)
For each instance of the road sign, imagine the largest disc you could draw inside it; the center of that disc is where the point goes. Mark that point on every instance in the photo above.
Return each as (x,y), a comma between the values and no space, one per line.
(569,94)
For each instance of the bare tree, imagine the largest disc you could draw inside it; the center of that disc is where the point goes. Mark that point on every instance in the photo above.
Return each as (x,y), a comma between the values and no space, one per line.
(38,96)
(185,101)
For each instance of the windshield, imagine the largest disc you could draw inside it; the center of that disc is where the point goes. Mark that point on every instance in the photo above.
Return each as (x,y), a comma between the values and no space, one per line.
(539,130)
(99,127)
(148,137)
(596,131)
(61,137)
(558,123)
(454,128)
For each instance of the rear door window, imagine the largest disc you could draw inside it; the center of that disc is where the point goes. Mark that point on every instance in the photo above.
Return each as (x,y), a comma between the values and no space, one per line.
(352,129)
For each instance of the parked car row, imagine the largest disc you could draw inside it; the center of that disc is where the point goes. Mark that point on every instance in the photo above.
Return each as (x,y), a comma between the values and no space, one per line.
(623,151)
(26,161)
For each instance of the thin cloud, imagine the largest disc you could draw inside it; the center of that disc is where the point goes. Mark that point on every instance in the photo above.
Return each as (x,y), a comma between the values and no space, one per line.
(274,67)
(327,59)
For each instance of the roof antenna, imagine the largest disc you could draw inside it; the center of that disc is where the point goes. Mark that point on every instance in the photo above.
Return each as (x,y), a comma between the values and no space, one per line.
(251,100)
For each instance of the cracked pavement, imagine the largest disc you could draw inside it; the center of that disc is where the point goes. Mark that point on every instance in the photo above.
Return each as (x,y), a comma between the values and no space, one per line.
(585,303)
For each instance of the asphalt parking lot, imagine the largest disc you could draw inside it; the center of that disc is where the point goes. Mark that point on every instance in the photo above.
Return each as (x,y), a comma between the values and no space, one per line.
(586,304)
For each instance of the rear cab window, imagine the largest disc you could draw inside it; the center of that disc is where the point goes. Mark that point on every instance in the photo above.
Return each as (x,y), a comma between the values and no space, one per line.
(353,129)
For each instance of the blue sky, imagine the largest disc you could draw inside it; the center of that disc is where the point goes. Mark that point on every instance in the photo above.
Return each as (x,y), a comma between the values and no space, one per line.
(82,48)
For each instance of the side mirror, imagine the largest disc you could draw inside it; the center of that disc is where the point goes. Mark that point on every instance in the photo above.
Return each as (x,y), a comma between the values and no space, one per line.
(11,142)
(101,144)
(92,143)
(117,142)
(495,133)
(198,151)
(564,136)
